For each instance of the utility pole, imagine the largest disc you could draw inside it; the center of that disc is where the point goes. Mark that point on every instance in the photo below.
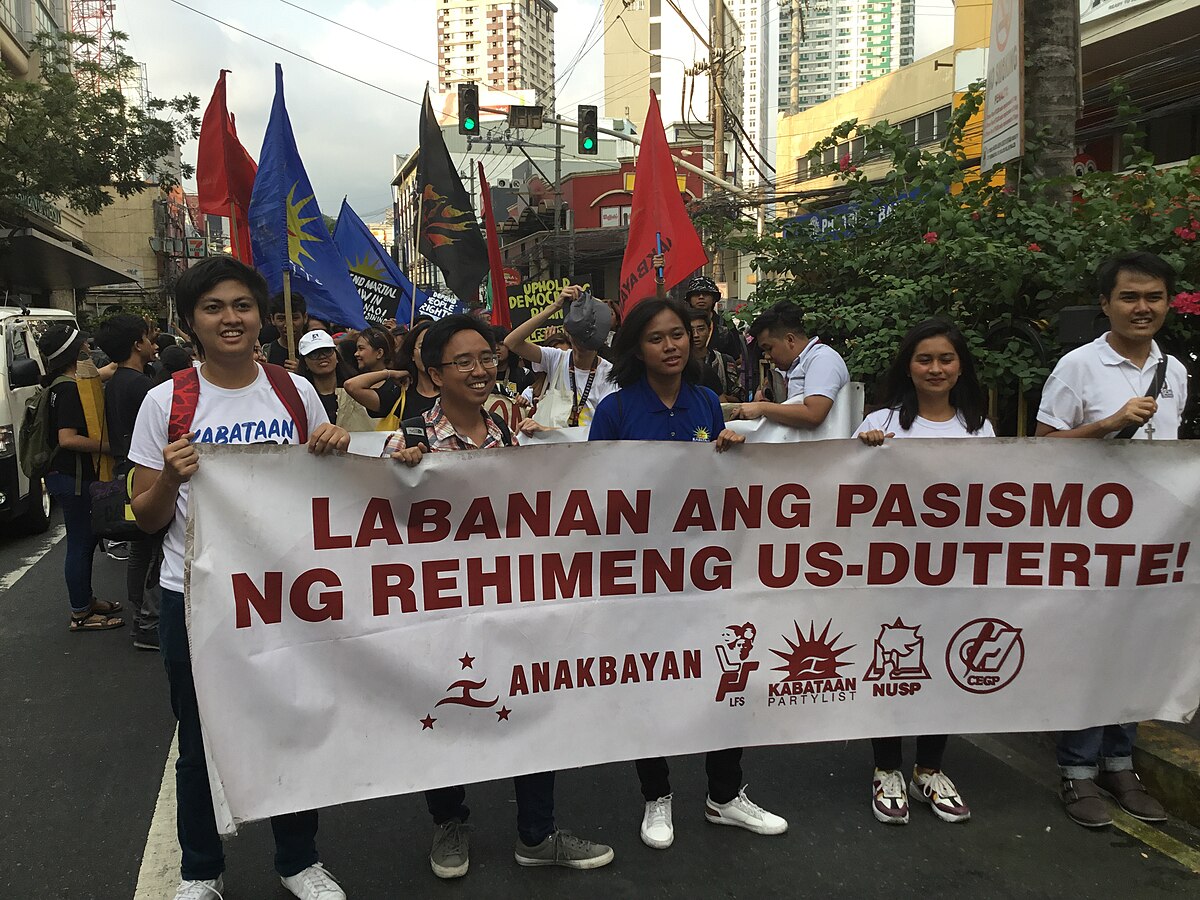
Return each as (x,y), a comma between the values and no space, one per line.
(717,72)
(557,196)
(1052,87)
(794,66)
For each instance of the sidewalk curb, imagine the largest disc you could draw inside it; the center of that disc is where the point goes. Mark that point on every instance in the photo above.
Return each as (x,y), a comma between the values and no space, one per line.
(1168,761)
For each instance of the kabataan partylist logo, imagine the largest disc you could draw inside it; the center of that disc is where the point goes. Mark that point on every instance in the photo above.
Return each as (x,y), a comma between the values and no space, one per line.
(811,667)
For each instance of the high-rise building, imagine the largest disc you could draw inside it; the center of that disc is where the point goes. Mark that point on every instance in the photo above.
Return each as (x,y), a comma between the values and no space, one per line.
(504,44)
(652,45)
(758,104)
(838,45)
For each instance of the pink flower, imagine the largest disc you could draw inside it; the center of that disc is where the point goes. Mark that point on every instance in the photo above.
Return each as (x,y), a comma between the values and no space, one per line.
(844,164)
(1035,248)
(1184,233)
(930,237)
(1187,302)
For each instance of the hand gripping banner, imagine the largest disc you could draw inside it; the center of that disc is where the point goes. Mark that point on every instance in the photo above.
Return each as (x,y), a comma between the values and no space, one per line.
(496,612)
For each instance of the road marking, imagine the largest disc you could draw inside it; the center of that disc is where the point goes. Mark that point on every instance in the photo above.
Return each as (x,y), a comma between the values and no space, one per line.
(159,873)
(1186,856)
(52,537)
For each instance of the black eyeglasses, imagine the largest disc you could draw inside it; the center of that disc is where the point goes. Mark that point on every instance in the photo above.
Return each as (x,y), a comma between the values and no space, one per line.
(466,363)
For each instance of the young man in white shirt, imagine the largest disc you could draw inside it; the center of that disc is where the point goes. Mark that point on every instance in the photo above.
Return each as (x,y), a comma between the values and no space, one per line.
(816,373)
(230,399)
(581,368)
(1119,385)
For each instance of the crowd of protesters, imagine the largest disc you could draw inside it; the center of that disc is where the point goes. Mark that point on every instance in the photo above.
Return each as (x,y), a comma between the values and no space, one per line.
(672,369)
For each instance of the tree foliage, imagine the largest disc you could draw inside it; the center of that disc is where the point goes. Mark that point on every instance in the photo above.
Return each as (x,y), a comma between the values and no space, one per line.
(71,133)
(1001,263)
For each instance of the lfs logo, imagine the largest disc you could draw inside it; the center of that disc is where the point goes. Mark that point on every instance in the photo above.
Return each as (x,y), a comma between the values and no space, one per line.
(985,655)
(733,654)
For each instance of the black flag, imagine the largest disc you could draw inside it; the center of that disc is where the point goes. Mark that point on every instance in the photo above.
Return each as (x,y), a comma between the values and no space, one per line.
(448,232)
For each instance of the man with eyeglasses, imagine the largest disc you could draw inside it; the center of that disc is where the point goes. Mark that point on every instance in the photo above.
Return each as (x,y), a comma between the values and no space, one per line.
(460,354)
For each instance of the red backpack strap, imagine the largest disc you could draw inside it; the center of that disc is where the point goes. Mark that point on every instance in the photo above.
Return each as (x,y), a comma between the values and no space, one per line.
(185,396)
(285,390)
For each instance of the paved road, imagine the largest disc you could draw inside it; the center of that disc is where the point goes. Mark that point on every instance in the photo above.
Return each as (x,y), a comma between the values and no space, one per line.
(86,732)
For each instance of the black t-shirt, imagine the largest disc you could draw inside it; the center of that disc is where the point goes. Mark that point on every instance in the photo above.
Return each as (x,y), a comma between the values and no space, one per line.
(389,395)
(66,411)
(123,396)
(276,351)
(330,402)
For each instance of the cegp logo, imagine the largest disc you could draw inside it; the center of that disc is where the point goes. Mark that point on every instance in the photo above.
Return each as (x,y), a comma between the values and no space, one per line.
(898,661)
(985,655)
(733,654)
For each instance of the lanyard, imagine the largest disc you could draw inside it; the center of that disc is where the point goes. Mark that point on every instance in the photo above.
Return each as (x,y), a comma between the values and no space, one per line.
(577,402)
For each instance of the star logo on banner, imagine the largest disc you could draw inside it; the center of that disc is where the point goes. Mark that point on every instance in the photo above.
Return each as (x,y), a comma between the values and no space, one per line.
(502,714)
(296,221)
(427,722)
(467,660)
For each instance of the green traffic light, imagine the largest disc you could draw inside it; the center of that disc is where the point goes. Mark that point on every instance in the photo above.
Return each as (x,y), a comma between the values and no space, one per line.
(588,143)
(469,123)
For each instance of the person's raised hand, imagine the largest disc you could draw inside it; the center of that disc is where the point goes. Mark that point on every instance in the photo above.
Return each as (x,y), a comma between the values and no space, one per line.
(875,437)
(327,438)
(728,438)
(410,456)
(180,460)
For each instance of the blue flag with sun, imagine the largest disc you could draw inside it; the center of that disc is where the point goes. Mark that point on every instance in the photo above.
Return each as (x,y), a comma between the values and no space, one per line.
(385,290)
(287,230)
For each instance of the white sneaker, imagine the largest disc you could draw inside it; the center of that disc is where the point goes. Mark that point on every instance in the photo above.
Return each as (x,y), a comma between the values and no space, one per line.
(201,890)
(314,883)
(741,812)
(657,830)
(889,803)
(940,793)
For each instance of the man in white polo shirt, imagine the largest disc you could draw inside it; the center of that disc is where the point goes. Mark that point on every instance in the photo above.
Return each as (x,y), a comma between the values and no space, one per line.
(816,373)
(1119,385)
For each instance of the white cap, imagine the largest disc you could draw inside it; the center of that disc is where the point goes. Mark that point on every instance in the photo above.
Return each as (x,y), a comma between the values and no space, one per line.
(314,340)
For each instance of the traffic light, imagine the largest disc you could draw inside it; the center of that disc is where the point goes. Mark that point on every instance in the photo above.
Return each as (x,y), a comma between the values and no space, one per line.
(468,108)
(588,143)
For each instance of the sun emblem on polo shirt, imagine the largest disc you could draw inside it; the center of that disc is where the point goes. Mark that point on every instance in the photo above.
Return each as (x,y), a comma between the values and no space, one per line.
(701,434)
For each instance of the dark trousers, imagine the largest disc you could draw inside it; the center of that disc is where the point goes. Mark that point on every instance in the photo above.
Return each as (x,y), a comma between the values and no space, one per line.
(930,750)
(203,858)
(81,542)
(535,806)
(724,768)
(141,582)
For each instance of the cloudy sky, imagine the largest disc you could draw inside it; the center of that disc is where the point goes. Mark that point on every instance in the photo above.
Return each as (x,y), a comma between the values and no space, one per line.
(347,130)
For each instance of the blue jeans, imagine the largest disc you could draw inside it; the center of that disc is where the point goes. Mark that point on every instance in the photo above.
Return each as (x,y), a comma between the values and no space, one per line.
(81,543)
(203,858)
(1082,754)
(535,806)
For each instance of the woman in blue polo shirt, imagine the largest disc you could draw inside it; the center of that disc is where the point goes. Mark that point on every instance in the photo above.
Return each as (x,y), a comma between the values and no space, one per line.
(660,400)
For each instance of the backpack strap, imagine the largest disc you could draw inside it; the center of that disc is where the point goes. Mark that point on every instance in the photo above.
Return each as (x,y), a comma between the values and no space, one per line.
(415,432)
(289,396)
(185,397)
(506,437)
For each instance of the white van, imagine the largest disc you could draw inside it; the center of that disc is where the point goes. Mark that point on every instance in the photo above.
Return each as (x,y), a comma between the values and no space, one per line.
(24,508)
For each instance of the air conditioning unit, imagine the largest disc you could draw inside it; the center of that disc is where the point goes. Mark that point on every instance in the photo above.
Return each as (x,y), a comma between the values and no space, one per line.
(502,182)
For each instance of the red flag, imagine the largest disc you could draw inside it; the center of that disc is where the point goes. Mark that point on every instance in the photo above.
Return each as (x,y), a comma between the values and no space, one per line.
(225,171)
(657,207)
(500,311)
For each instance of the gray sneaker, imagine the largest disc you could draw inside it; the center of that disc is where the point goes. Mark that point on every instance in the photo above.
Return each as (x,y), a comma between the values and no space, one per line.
(450,857)
(564,849)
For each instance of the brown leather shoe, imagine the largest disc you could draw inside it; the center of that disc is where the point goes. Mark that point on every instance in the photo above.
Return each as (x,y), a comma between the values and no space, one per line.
(1127,789)
(1085,803)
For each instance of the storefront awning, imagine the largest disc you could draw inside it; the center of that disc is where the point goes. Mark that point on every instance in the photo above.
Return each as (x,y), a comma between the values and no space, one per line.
(33,261)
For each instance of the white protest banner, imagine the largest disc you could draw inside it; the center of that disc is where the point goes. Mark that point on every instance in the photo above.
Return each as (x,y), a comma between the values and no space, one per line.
(497,612)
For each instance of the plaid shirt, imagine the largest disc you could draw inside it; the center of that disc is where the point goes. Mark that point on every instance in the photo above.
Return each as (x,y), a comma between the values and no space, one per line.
(443,437)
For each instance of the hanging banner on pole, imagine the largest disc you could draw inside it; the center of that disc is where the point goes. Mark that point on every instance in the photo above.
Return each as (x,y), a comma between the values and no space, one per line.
(492,613)
(1004,101)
